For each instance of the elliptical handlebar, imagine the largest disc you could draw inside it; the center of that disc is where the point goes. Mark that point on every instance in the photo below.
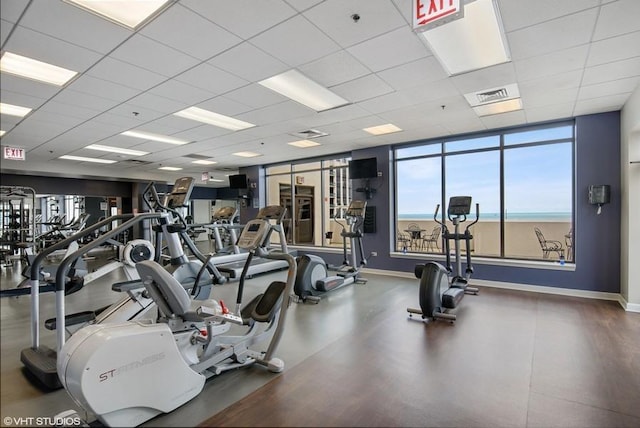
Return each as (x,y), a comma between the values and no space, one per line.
(476,220)
(435,215)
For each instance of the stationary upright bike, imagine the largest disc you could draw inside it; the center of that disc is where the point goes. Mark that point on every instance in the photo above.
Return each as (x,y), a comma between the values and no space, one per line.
(437,295)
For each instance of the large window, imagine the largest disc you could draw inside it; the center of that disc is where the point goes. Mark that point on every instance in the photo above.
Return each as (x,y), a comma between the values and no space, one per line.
(522,180)
(316,195)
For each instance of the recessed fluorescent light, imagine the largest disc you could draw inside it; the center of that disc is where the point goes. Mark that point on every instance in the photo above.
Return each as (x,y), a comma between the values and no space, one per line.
(292,84)
(217,180)
(389,128)
(1,133)
(499,107)
(247,154)
(83,159)
(12,110)
(36,70)
(154,137)
(116,150)
(475,41)
(131,13)
(304,143)
(204,162)
(170,168)
(215,119)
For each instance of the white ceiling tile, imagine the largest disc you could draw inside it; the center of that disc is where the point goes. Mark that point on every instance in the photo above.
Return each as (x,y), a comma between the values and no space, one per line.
(282,111)
(28,87)
(600,105)
(535,96)
(504,120)
(211,79)
(5,29)
(146,53)
(549,112)
(308,45)
(611,71)
(181,92)
(387,72)
(11,10)
(125,74)
(254,96)
(414,73)
(521,14)
(390,50)
(102,88)
(614,49)
(241,61)
(20,99)
(225,105)
(550,36)
(363,88)
(614,87)
(335,68)
(617,18)
(45,16)
(334,19)
(198,37)
(49,49)
(490,77)
(87,101)
(552,63)
(244,18)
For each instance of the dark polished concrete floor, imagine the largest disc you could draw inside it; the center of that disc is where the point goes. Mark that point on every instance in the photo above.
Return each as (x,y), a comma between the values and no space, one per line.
(513,359)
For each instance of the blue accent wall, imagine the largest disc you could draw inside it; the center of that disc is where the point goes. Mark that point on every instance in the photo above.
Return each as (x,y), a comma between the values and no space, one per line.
(596,237)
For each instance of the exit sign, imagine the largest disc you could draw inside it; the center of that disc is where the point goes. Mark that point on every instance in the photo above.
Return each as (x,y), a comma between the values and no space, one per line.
(14,153)
(428,14)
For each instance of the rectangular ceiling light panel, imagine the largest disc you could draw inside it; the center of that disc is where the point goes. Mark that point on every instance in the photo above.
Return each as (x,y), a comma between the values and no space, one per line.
(471,43)
(389,128)
(215,119)
(129,13)
(170,168)
(204,162)
(294,85)
(11,110)
(116,150)
(36,70)
(303,144)
(246,154)
(499,107)
(155,137)
(84,159)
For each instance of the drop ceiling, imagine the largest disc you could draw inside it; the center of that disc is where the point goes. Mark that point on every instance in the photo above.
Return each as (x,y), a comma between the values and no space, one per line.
(568,58)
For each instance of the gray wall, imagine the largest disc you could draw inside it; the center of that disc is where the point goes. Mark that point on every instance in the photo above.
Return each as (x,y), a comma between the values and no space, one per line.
(597,237)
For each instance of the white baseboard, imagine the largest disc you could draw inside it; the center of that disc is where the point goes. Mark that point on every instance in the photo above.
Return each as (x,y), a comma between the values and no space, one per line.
(601,295)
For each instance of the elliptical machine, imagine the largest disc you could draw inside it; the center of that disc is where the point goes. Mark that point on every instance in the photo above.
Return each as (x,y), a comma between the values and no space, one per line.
(437,294)
(313,279)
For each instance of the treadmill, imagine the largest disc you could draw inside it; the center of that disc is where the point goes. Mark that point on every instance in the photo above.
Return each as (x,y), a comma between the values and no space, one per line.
(273,216)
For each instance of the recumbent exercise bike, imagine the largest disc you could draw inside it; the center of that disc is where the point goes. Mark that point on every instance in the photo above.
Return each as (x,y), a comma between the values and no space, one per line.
(437,294)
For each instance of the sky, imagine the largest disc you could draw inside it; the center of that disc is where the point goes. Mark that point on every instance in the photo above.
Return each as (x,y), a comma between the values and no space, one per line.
(537,178)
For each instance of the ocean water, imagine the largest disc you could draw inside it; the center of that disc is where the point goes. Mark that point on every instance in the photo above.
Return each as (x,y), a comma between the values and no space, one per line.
(548,216)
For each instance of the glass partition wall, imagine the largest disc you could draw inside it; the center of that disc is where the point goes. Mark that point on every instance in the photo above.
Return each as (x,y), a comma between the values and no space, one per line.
(522,179)
(316,195)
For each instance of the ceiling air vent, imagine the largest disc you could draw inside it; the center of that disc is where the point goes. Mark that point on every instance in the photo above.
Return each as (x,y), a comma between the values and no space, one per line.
(198,157)
(134,162)
(492,95)
(310,133)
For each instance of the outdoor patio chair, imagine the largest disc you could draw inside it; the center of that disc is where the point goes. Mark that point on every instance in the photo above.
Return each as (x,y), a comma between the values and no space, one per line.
(549,246)
(431,242)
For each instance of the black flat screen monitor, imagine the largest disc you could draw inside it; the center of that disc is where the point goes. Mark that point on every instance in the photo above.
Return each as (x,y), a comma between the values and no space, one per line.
(363,168)
(238,181)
